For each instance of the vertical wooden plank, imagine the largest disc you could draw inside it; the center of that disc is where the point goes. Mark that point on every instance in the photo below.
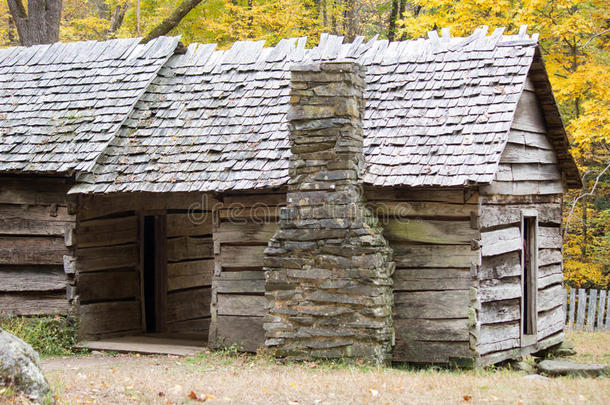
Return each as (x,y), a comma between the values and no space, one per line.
(592,308)
(565,305)
(572,309)
(600,310)
(608,312)
(582,307)
(161,272)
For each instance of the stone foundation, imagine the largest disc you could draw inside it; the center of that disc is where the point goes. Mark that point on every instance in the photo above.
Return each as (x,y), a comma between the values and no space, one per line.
(328,267)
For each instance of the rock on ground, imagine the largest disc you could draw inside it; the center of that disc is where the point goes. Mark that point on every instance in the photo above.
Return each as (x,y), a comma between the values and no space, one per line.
(560,367)
(20,367)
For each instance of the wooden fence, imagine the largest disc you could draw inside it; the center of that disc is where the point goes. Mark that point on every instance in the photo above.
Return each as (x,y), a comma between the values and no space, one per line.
(587,310)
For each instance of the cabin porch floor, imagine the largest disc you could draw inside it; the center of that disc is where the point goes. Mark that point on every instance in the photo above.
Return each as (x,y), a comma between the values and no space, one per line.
(152,343)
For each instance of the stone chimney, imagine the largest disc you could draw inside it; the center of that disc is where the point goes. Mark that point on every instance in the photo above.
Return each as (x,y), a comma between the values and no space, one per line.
(328,267)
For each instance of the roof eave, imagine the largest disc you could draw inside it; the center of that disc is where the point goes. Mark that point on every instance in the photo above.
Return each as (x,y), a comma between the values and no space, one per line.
(554,123)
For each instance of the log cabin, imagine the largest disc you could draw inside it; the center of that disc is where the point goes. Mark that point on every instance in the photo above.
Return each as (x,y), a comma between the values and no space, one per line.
(369,200)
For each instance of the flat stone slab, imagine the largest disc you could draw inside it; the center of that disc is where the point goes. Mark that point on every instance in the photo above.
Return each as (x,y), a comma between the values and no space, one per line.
(560,367)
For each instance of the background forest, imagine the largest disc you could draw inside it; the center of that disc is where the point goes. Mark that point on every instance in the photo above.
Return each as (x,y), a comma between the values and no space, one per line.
(574,38)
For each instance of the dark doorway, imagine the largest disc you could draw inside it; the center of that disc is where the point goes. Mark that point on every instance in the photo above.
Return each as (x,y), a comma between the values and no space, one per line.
(530,265)
(154,272)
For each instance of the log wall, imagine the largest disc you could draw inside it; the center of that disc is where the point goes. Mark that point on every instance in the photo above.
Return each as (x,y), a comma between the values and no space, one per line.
(433,234)
(243,226)
(109,257)
(35,224)
(528,179)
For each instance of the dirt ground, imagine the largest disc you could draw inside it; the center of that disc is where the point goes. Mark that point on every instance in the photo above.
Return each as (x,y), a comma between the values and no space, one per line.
(232,378)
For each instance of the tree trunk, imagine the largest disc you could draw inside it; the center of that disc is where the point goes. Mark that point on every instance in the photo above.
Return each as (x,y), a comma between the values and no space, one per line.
(117,17)
(172,21)
(392,22)
(40,24)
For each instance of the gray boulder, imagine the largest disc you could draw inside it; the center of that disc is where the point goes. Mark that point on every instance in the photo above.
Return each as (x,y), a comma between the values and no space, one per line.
(20,368)
(561,367)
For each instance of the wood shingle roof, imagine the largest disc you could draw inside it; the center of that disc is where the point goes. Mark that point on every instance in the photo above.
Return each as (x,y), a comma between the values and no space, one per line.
(438,113)
(61,104)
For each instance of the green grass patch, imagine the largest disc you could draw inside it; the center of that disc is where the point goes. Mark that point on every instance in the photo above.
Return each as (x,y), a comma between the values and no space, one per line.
(49,335)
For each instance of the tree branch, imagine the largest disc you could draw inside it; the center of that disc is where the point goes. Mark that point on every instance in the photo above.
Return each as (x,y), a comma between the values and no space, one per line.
(590,193)
(593,37)
(172,21)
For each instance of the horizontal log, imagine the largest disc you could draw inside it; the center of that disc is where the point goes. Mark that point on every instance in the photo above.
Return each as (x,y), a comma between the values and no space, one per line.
(189,248)
(262,213)
(529,138)
(422,209)
(549,280)
(244,305)
(550,297)
(199,326)
(108,285)
(498,215)
(501,266)
(239,286)
(188,304)
(103,258)
(524,154)
(245,331)
(431,279)
(457,196)
(34,190)
(549,237)
(109,317)
(430,352)
(501,241)
(245,232)
(430,231)
(450,330)
(521,199)
(550,322)
(549,256)
(418,256)
(15,303)
(189,224)
(32,250)
(500,292)
(528,172)
(241,256)
(500,311)
(234,201)
(242,275)
(197,273)
(431,304)
(498,337)
(523,188)
(43,278)
(97,206)
(34,220)
(107,232)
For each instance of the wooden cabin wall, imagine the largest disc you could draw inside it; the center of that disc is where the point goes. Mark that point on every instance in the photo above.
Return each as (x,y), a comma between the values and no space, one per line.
(107,260)
(109,257)
(433,234)
(244,224)
(34,220)
(190,267)
(530,179)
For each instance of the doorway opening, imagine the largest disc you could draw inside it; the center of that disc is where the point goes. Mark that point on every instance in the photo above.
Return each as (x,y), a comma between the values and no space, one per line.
(529,314)
(154,273)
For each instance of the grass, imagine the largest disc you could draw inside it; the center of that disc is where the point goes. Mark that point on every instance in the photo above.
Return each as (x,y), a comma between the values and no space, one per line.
(228,376)
(48,335)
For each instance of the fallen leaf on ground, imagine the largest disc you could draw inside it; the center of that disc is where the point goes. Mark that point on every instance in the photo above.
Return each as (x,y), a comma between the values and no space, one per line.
(467,398)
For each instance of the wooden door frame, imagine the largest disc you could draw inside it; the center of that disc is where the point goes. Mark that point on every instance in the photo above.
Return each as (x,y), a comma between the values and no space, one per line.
(528,340)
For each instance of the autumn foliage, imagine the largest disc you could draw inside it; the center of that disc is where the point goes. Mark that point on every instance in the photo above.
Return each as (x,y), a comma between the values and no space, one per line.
(574,39)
